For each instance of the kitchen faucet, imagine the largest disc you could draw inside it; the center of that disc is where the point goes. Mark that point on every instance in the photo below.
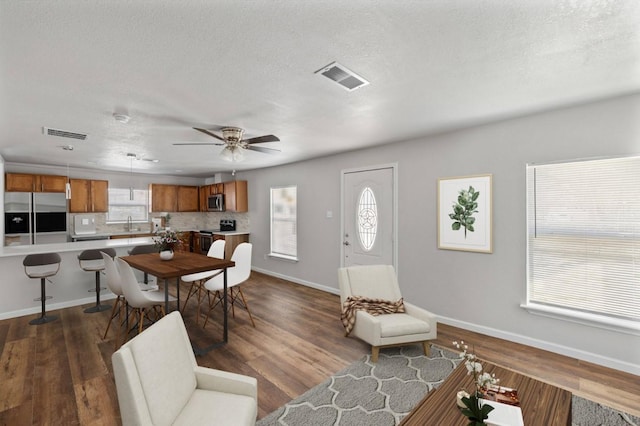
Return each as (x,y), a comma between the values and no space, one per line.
(129,223)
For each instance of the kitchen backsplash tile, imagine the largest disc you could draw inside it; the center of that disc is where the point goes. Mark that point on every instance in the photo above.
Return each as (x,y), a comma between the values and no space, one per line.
(178,221)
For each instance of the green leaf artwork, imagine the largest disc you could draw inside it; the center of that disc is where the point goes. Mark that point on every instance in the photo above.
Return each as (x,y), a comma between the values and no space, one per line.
(464,209)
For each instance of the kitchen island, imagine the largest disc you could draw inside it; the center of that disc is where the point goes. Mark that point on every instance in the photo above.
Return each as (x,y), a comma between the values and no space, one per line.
(70,287)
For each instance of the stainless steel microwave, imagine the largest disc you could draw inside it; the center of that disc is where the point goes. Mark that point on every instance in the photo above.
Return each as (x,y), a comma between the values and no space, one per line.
(215,203)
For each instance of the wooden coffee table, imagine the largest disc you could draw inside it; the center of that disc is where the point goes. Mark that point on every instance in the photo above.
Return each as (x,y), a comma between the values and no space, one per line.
(541,404)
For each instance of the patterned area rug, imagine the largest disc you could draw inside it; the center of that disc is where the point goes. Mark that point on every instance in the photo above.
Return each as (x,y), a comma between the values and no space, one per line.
(382,394)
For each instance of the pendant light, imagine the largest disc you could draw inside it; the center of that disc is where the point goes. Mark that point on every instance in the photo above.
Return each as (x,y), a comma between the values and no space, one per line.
(131,157)
(67,186)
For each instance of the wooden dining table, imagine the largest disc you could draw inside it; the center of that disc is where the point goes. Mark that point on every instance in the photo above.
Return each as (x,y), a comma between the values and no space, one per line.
(183,263)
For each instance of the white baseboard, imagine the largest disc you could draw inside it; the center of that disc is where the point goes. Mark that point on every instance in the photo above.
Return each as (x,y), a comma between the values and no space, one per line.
(298,281)
(518,338)
(541,344)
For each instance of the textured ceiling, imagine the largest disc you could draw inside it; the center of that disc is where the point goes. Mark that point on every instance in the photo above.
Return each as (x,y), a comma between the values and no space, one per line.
(172,65)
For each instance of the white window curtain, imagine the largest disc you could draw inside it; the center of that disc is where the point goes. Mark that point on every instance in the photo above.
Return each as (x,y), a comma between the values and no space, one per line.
(583,240)
(284,236)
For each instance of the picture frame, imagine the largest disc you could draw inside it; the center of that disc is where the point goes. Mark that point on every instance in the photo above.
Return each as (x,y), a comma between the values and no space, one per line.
(464,209)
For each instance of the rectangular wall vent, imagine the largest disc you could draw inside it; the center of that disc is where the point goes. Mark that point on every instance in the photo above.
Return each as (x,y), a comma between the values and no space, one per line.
(346,78)
(63,133)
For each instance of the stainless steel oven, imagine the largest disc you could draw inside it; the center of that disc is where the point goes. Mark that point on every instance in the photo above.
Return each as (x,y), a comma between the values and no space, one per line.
(206,239)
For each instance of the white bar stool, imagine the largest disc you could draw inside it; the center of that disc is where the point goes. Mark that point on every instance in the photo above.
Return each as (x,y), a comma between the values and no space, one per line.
(91,261)
(42,266)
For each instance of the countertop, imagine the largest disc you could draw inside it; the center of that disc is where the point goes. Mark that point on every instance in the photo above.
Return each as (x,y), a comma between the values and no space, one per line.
(230,232)
(73,246)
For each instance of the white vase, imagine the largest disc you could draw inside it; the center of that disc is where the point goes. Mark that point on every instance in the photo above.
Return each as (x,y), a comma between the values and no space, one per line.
(166,254)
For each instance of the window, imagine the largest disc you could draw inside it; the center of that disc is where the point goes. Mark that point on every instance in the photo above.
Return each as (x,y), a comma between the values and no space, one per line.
(121,206)
(284,236)
(583,241)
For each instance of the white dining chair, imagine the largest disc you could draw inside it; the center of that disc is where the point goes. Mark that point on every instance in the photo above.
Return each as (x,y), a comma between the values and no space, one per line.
(197,280)
(140,301)
(147,283)
(236,275)
(115,286)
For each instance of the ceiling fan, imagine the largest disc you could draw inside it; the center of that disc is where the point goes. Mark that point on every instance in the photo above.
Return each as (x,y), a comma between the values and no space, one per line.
(234,144)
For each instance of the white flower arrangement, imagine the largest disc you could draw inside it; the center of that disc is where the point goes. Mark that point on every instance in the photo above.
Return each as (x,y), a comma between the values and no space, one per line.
(471,406)
(168,240)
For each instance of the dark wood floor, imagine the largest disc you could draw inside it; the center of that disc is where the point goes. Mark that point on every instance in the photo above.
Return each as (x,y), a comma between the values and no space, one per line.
(60,373)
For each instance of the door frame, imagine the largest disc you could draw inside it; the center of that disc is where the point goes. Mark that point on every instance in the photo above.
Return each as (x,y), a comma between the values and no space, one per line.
(394,170)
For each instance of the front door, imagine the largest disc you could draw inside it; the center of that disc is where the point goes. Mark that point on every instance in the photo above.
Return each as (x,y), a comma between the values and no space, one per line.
(368,216)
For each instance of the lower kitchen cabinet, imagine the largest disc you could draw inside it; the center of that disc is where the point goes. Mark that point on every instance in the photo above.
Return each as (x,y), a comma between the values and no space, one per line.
(231,242)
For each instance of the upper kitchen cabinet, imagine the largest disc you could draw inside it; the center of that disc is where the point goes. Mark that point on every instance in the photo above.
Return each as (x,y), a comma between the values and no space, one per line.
(164,198)
(235,196)
(22,182)
(173,198)
(187,198)
(89,196)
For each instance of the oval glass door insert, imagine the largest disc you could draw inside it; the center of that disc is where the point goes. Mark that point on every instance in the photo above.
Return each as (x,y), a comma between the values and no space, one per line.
(367,219)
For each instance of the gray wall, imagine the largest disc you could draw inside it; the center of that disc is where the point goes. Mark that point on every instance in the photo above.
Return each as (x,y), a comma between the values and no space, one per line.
(482,292)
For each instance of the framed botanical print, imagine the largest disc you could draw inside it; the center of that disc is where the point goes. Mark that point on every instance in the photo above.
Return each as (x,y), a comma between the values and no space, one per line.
(465,213)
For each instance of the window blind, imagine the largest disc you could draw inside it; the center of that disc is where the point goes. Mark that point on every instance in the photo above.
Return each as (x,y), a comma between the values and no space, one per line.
(583,222)
(284,236)
(121,206)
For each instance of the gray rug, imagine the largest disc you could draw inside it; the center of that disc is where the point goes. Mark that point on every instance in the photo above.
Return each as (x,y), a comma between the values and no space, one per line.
(384,393)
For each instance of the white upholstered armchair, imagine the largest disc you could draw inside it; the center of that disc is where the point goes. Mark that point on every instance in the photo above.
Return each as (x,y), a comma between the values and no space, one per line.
(159,382)
(415,325)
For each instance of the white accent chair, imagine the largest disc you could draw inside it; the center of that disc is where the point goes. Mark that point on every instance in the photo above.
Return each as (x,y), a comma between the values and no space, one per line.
(159,382)
(235,276)
(197,280)
(416,325)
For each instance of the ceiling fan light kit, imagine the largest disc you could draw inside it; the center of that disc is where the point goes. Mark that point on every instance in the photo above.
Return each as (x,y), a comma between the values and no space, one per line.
(234,144)
(231,154)
(232,134)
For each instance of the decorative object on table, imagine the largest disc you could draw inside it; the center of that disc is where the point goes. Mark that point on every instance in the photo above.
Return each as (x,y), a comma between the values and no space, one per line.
(465,213)
(166,254)
(470,403)
(166,243)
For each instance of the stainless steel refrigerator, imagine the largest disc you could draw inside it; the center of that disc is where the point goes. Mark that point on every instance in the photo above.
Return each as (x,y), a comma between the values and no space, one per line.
(35,218)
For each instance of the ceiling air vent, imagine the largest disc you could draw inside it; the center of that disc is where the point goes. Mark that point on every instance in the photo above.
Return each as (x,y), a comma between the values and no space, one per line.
(343,76)
(63,133)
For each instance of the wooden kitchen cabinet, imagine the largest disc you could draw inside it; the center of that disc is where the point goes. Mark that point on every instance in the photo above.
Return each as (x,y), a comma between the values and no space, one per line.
(231,242)
(185,241)
(164,198)
(23,182)
(188,199)
(89,196)
(196,243)
(173,198)
(235,196)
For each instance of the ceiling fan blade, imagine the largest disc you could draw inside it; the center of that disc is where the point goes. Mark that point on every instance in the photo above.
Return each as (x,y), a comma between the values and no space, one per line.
(200,143)
(263,149)
(261,139)
(207,132)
